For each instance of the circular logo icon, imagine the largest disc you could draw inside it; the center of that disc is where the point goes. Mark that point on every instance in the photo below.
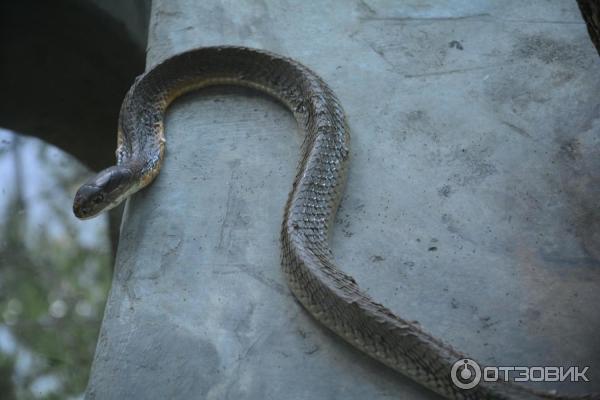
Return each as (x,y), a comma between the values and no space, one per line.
(465,374)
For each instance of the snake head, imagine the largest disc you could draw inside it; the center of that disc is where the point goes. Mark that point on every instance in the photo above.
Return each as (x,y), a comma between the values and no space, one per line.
(105,190)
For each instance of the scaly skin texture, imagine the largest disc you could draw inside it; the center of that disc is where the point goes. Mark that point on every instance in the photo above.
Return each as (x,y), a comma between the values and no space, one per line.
(330,295)
(590,10)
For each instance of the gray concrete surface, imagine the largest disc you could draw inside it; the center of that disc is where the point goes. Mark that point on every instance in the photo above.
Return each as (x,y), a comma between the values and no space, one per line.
(471,206)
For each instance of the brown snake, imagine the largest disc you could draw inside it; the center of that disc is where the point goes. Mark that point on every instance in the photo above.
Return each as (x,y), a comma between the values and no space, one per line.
(329,294)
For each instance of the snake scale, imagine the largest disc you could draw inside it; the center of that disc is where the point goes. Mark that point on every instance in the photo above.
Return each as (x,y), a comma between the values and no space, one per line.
(330,295)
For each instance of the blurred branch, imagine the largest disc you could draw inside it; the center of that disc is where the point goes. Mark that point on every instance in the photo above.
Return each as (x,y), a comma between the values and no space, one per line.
(18,171)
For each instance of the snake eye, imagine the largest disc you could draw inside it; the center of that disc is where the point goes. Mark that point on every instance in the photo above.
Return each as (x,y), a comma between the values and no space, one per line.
(98,199)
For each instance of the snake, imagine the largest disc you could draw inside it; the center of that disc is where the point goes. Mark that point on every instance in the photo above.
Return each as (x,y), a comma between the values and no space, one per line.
(330,295)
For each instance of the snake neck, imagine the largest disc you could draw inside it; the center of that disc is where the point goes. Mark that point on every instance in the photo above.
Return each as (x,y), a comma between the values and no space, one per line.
(141,136)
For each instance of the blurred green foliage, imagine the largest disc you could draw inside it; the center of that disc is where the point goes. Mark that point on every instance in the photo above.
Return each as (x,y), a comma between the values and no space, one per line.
(53,283)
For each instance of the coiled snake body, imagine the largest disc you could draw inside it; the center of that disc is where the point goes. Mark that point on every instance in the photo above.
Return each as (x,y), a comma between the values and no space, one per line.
(329,294)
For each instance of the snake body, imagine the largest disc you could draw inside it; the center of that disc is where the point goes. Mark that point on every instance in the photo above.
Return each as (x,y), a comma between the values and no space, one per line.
(330,295)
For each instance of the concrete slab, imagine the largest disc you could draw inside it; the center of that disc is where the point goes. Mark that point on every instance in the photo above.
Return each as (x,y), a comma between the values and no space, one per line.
(471,205)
